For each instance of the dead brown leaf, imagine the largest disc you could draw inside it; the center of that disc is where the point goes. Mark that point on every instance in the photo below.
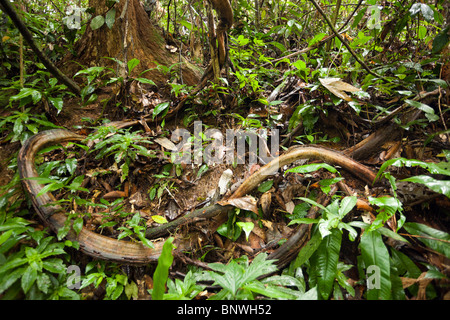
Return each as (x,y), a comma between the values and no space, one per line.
(338,87)
(245,203)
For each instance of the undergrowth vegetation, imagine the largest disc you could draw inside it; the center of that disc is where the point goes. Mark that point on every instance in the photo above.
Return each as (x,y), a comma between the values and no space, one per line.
(287,70)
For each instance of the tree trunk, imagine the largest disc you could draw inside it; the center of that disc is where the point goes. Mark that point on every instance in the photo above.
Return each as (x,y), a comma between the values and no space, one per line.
(132,36)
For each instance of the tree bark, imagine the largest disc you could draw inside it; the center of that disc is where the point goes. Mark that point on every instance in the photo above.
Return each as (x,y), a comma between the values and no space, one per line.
(132,36)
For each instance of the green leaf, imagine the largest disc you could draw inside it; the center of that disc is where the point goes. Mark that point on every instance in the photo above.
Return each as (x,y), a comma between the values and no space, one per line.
(270,291)
(347,205)
(147,81)
(9,278)
(78,225)
(71,165)
(145,241)
(422,32)
(314,203)
(132,64)
(404,264)
(429,112)
(54,265)
(424,9)
(159,219)
(441,40)
(51,187)
(433,238)
(303,221)
(5,236)
(308,250)
(125,169)
(325,260)
(43,282)
(28,278)
(97,22)
(433,168)
(325,184)
(76,183)
(265,186)
(160,108)
(439,186)
(26,92)
(299,64)
(375,253)
(131,290)
(162,270)
(312,167)
(316,39)
(110,18)
(58,103)
(247,227)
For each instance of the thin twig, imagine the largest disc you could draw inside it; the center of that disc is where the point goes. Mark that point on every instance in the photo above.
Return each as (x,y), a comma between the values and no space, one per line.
(344,42)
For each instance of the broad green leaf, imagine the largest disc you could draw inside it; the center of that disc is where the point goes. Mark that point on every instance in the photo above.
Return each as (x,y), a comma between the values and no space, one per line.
(78,225)
(76,183)
(132,64)
(51,187)
(441,40)
(422,32)
(43,282)
(433,168)
(97,22)
(71,165)
(375,253)
(439,186)
(26,92)
(316,39)
(54,265)
(160,108)
(58,103)
(285,280)
(110,18)
(308,250)
(5,236)
(433,238)
(265,186)
(131,290)
(325,184)
(159,219)
(424,9)
(303,221)
(145,80)
(404,264)
(325,260)
(259,267)
(145,241)
(28,278)
(314,203)
(299,64)
(312,167)
(347,205)
(247,227)
(429,112)
(270,291)
(162,270)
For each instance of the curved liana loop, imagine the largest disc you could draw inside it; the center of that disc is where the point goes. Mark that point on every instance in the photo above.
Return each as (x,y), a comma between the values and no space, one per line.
(136,253)
(91,243)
